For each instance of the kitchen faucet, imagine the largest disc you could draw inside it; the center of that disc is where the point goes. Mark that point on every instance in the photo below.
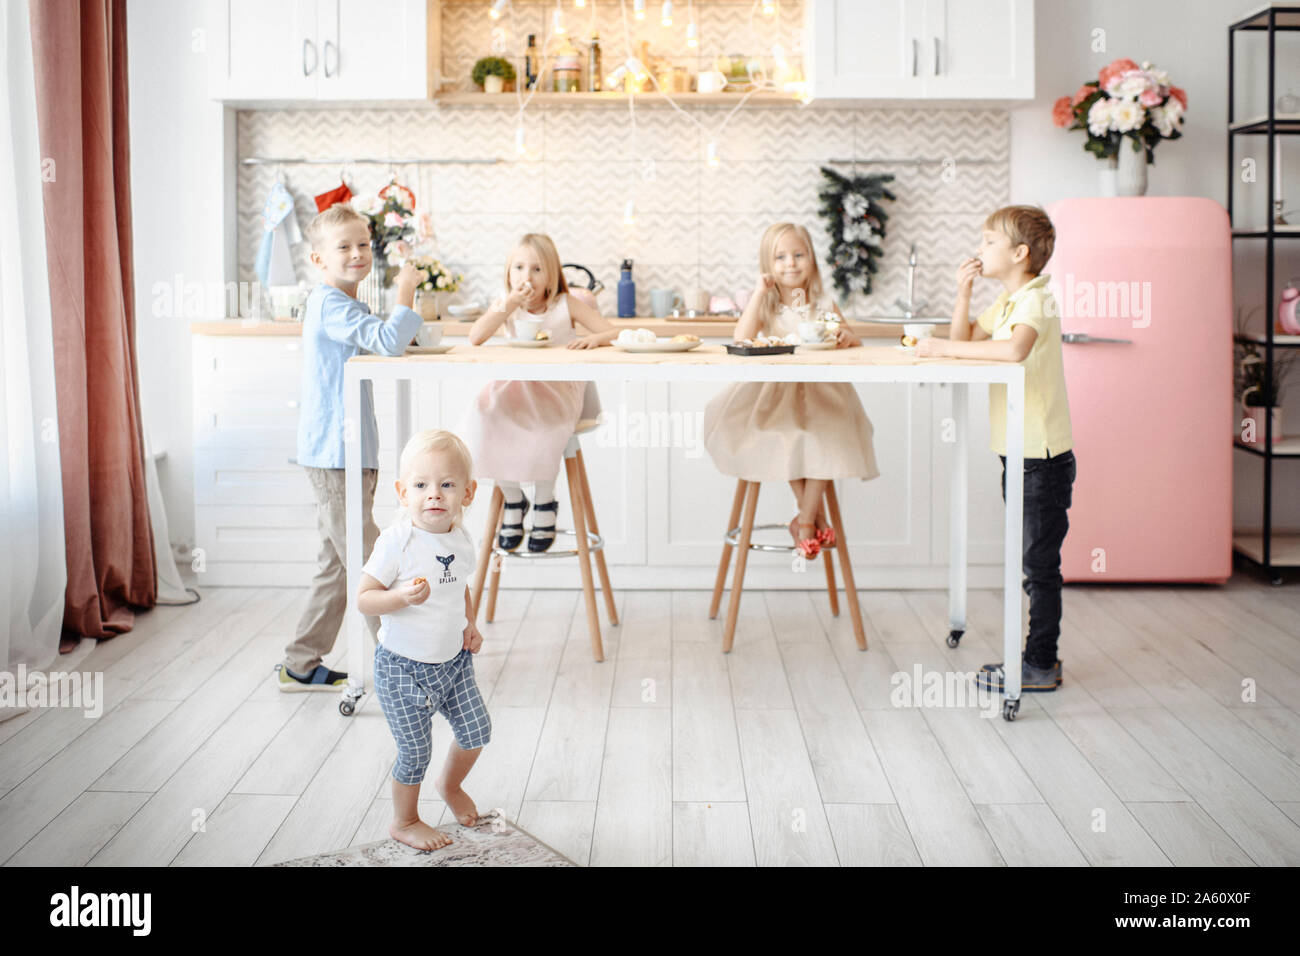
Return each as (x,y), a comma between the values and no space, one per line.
(911,306)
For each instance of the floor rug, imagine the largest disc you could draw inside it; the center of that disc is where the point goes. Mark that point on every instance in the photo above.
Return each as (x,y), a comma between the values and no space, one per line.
(494,842)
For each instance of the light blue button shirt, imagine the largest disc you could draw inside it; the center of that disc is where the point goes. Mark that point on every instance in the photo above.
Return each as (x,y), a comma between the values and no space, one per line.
(336,328)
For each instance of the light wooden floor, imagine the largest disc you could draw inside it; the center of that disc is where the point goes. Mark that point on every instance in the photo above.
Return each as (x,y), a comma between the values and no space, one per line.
(788,751)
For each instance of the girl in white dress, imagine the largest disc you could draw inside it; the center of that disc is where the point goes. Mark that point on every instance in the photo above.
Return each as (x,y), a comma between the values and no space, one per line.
(516,431)
(806,433)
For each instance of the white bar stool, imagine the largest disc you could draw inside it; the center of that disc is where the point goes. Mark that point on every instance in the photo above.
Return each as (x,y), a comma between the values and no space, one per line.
(586,533)
(741,536)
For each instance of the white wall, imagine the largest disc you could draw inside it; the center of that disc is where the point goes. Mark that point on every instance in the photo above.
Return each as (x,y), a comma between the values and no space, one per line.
(1189,38)
(176,202)
(1186,37)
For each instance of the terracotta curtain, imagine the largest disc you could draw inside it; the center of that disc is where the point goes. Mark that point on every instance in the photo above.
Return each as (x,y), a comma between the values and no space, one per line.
(81,99)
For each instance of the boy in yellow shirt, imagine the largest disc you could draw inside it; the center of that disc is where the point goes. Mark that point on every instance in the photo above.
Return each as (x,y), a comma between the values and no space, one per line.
(1024,326)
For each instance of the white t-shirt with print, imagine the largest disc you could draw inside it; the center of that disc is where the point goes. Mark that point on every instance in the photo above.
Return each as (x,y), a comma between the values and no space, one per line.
(432,632)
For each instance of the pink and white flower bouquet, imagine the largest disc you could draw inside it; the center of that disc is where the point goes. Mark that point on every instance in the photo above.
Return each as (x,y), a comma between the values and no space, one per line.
(1125,101)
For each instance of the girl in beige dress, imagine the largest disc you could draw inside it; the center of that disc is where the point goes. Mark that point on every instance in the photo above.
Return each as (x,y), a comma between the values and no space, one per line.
(806,433)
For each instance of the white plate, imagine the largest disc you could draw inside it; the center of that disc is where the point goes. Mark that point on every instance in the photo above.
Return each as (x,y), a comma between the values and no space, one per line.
(525,343)
(666,345)
(428,349)
(817,346)
(464,311)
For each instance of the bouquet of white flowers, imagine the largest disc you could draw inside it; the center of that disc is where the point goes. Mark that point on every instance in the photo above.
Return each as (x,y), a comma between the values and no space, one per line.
(1126,100)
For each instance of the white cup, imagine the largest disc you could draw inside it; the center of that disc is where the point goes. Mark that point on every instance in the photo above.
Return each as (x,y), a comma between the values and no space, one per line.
(429,335)
(697,299)
(812,331)
(527,328)
(918,330)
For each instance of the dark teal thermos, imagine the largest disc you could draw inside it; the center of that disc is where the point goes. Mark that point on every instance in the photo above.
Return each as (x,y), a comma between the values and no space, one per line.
(626,291)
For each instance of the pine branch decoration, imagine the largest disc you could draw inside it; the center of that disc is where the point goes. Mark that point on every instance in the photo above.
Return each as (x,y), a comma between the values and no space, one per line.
(855,221)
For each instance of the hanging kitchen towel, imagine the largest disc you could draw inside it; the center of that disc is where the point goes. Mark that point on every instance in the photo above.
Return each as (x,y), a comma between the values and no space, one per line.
(281,230)
(338,194)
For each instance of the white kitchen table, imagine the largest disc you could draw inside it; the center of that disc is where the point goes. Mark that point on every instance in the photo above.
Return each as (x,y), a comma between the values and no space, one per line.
(711,363)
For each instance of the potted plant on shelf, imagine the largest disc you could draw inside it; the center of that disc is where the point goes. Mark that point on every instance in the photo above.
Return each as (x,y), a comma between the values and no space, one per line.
(1257,397)
(492,73)
(1125,112)
(437,281)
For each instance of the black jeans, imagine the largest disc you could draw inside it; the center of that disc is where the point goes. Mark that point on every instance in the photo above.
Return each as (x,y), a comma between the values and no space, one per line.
(1049,484)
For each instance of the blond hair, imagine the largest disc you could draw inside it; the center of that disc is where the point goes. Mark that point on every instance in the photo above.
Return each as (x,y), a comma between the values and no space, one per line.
(771,298)
(549,257)
(436,440)
(1027,226)
(335,215)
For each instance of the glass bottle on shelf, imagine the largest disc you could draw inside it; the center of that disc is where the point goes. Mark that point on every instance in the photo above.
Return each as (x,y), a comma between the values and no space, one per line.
(594,81)
(530,63)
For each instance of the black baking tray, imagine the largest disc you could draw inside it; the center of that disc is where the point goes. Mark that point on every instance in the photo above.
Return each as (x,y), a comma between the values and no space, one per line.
(761,350)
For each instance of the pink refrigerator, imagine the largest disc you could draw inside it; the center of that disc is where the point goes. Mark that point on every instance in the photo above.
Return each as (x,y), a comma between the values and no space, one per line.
(1145,290)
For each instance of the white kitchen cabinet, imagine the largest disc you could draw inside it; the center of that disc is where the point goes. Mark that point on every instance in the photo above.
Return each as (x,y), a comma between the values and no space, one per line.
(920,49)
(859,49)
(312,50)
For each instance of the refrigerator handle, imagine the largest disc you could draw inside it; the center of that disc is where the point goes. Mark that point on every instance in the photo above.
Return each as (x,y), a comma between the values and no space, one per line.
(1083,338)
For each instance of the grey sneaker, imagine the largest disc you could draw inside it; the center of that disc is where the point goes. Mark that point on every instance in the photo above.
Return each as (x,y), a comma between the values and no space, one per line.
(321,678)
(1033,680)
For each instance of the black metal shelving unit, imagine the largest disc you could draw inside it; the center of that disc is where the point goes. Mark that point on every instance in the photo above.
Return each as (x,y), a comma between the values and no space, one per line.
(1263,550)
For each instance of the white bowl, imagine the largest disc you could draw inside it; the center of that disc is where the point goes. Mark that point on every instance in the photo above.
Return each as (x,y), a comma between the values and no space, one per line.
(462,310)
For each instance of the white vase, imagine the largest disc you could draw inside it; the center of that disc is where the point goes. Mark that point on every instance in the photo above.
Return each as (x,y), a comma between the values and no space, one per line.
(1255,415)
(493,84)
(1131,177)
(1106,177)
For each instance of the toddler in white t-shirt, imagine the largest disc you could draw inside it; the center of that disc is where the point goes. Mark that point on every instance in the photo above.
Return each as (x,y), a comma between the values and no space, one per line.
(416,581)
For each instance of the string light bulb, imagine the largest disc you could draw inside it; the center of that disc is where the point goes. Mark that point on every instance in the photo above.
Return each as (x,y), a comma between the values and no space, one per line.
(629,213)
(769,8)
(638,9)
(498,8)
(579,3)
(711,155)
(615,79)
(557,21)
(520,146)
(666,14)
(692,35)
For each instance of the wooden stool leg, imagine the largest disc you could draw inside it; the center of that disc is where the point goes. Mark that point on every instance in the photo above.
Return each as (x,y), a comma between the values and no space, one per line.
(830,582)
(495,583)
(846,566)
(601,569)
(576,501)
(725,560)
(485,547)
(738,582)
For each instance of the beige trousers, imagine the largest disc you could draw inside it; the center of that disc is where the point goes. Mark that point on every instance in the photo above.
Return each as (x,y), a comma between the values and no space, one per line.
(327,601)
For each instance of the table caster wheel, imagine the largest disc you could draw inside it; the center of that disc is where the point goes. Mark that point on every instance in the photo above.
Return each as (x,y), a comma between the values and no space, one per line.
(1009,709)
(954,637)
(347,707)
(1276,580)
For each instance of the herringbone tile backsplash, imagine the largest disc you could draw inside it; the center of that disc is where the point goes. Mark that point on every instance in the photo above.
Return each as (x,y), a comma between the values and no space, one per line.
(696,226)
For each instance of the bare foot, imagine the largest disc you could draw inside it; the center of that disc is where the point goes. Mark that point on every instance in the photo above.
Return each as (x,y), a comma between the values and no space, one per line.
(462,807)
(419,835)
(794,530)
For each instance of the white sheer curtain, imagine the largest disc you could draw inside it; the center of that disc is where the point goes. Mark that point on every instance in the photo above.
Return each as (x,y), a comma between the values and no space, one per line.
(33,573)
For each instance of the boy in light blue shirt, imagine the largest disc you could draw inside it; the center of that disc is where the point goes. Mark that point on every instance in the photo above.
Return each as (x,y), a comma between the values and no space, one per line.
(335,328)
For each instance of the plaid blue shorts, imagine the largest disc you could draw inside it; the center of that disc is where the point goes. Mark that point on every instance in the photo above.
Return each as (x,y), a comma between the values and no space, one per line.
(411,691)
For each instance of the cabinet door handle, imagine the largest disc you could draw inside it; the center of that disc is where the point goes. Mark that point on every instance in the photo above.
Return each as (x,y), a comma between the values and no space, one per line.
(916,47)
(308,45)
(328,44)
(936,56)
